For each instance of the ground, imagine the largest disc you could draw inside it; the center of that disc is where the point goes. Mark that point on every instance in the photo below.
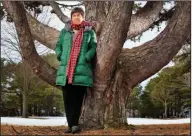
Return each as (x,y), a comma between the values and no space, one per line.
(173,129)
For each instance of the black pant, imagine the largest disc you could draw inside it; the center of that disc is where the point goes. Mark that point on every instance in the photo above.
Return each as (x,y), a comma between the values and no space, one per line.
(73,99)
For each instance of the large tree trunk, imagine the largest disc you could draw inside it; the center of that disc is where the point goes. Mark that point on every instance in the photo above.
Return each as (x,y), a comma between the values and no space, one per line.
(117,70)
(106,100)
(106,109)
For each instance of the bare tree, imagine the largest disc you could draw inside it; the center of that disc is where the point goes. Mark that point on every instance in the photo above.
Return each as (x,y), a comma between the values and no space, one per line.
(117,70)
(10,45)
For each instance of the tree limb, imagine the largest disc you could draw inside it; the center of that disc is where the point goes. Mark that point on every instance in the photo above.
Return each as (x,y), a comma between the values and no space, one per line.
(58,12)
(65,5)
(163,17)
(43,33)
(141,62)
(144,18)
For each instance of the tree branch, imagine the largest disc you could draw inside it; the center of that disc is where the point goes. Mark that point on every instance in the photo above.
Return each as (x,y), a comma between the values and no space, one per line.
(43,33)
(64,5)
(163,17)
(144,18)
(141,62)
(58,12)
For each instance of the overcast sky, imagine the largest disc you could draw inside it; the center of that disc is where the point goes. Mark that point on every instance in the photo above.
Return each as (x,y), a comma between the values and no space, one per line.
(53,21)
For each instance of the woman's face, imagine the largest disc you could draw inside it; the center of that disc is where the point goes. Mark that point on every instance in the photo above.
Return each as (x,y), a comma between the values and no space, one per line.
(77,18)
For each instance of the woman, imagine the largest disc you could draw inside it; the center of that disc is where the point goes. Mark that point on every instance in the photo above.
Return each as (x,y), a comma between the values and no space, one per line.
(75,49)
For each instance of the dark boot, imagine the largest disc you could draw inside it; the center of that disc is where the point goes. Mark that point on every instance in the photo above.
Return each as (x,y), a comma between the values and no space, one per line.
(68,130)
(76,129)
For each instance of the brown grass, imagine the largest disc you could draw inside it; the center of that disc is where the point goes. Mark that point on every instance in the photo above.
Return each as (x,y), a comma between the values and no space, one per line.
(176,129)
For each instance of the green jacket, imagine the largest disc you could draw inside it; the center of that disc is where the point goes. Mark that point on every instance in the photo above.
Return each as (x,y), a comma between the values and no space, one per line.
(83,74)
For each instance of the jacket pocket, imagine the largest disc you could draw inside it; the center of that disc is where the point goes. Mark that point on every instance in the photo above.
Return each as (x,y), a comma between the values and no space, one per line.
(87,58)
(59,57)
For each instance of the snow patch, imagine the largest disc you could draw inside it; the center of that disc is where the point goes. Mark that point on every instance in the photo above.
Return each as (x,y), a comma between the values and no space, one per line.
(60,121)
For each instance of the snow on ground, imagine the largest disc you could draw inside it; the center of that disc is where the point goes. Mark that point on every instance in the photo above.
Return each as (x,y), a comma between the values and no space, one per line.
(58,121)
(146,121)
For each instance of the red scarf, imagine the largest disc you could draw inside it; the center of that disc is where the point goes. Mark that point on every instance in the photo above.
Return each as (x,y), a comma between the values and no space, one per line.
(76,47)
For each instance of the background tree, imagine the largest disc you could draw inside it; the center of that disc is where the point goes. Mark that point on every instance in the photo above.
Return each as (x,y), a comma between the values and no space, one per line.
(150,108)
(163,94)
(133,103)
(117,70)
(173,83)
(7,96)
(42,99)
